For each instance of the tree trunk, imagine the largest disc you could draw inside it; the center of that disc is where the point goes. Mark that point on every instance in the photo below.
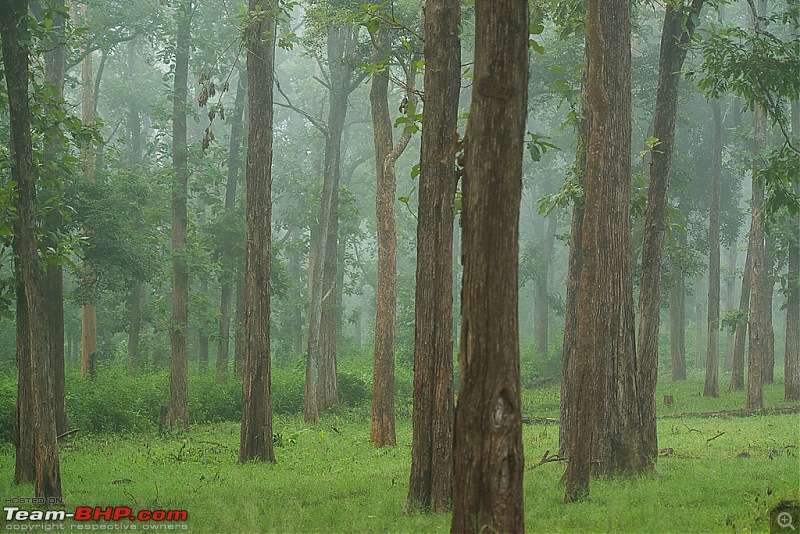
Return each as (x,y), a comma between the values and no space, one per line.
(675,38)
(541,328)
(179,357)
(227,259)
(792,355)
(608,430)
(768,367)
(47,473)
(700,319)
(488,452)
(711,388)
(737,369)
(677,318)
(730,303)
(256,436)
(327,391)
(137,300)
(297,311)
(202,337)
(238,328)
(431,481)
(25,467)
(568,409)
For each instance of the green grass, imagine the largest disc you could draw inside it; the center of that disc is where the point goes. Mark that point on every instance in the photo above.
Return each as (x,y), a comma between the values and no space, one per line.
(329,481)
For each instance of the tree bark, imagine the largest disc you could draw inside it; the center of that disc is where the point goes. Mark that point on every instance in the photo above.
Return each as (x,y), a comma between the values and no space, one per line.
(699,321)
(730,303)
(256,435)
(25,466)
(679,25)
(608,430)
(488,452)
(541,327)
(677,318)
(227,259)
(792,355)
(431,480)
(179,358)
(737,369)
(47,473)
(711,388)
(238,328)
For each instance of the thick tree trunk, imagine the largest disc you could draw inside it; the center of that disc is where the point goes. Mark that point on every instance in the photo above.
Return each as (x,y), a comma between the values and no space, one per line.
(179,358)
(607,437)
(256,435)
(711,388)
(541,326)
(488,452)
(227,260)
(47,473)
(792,355)
(431,481)
(327,391)
(675,37)
(25,467)
(677,326)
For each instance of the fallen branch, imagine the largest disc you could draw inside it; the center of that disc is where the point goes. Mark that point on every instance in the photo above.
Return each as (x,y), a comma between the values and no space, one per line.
(548,458)
(690,429)
(539,420)
(67,433)
(715,437)
(735,413)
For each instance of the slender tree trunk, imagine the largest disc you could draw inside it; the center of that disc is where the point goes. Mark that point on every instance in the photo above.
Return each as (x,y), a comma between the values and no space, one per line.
(677,318)
(768,368)
(238,327)
(137,300)
(327,391)
(792,355)
(699,321)
(737,370)
(488,451)
(431,481)
(541,327)
(297,311)
(202,337)
(568,408)
(256,438)
(608,430)
(179,358)
(676,35)
(47,473)
(730,303)
(711,388)
(228,267)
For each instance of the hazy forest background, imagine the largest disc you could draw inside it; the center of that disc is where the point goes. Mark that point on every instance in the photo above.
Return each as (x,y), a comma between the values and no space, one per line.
(362,240)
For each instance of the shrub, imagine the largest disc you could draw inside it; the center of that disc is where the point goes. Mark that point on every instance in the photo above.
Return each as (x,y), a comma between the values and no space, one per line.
(8,401)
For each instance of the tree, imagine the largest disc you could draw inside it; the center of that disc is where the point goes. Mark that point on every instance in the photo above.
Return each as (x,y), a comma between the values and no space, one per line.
(679,25)
(541,325)
(179,359)
(737,368)
(431,485)
(488,452)
(791,370)
(711,388)
(15,37)
(606,437)
(256,437)
(227,258)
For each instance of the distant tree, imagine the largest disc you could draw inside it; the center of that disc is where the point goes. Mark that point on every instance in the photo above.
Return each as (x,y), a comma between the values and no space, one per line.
(737,368)
(256,435)
(431,482)
(179,359)
(711,388)
(541,326)
(677,316)
(792,355)
(607,434)
(15,36)
(488,451)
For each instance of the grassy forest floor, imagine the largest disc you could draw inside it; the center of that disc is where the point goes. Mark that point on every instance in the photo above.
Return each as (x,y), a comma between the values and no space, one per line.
(717,473)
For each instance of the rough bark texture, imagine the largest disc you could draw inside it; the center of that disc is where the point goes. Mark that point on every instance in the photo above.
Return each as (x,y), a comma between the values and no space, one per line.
(489,461)
(238,328)
(737,367)
(25,466)
(382,430)
(327,388)
(541,325)
(792,355)
(711,388)
(15,36)
(227,260)
(607,436)
(256,435)
(179,357)
(431,481)
(574,267)
(676,35)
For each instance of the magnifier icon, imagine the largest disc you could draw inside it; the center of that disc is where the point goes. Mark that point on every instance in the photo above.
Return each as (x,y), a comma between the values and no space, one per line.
(784,520)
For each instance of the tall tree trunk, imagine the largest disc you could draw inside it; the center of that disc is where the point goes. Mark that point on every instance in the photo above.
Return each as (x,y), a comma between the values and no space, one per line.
(297,311)
(340,45)
(88,306)
(227,260)
(488,452)
(569,352)
(541,327)
(202,337)
(608,430)
(431,482)
(711,388)
(677,318)
(791,370)
(256,437)
(679,25)
(238,328)
(768,368)
(737,369)
(47,473)
(700,322)
(730,303)
(327,391)
(25,466)
(179,357)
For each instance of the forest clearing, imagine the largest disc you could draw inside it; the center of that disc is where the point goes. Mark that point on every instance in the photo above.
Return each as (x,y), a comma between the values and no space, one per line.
(401,265)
